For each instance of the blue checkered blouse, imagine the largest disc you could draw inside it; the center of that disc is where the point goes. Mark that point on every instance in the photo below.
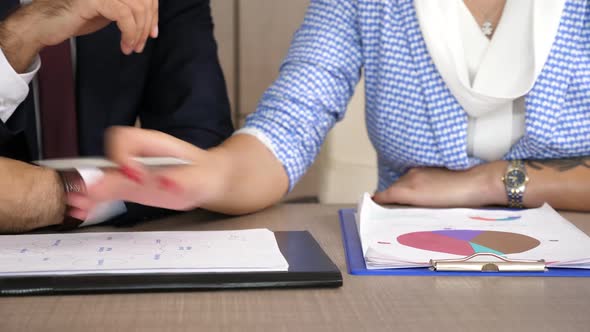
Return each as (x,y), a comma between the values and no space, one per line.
(412,118)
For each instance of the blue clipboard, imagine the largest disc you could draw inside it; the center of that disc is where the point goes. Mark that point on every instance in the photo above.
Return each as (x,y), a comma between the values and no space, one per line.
(356,261)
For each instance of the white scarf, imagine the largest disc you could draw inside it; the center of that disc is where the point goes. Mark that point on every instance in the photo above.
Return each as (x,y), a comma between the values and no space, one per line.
(506,72)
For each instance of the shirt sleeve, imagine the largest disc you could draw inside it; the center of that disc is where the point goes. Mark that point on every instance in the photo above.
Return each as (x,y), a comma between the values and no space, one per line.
(185,94)
(14,87)
(316,82)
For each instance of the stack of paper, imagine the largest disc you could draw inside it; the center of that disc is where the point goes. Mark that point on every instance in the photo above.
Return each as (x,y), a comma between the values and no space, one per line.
(140,252)
(404,238)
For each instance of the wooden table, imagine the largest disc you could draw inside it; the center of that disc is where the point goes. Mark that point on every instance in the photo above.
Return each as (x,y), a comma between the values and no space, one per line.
(362,304)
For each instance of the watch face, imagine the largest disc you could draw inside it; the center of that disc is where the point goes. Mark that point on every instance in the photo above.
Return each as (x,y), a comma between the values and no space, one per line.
(515,178)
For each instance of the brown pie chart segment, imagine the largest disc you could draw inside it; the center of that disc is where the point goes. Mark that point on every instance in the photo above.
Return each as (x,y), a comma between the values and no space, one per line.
(509,243)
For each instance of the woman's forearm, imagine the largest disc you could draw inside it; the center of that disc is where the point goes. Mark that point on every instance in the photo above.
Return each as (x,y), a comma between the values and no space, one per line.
(563,183)
(253,177)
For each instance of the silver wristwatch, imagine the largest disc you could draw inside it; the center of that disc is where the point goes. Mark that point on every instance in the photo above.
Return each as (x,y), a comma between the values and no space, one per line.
(515,180)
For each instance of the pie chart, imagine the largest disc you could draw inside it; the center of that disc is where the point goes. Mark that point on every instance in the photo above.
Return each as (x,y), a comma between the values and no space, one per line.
(468,242)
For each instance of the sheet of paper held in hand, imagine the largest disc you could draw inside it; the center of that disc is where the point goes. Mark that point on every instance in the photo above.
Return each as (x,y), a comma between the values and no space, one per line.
(140,252)
(404,238)
(97,162)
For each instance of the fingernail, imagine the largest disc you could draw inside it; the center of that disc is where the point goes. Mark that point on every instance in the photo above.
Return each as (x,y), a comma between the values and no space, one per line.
(127,49)
(156,32)
(168,184)
(130,47)
(132,174)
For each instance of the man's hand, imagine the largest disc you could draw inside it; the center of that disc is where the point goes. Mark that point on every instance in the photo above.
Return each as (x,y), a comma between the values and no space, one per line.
(438,187)
(62,19)
(49,22)
(31,197)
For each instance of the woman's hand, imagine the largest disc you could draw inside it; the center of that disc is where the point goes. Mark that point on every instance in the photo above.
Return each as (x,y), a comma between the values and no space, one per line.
(439,187)
(177,187)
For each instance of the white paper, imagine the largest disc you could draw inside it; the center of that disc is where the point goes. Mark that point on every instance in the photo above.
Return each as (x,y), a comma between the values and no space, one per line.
(98,162)
(140,252)
(399,238)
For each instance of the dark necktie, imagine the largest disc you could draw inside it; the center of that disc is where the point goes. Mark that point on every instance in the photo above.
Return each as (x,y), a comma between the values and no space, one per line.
(59,127)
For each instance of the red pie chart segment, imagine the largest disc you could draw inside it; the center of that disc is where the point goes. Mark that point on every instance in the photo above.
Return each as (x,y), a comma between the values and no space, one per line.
(436,242)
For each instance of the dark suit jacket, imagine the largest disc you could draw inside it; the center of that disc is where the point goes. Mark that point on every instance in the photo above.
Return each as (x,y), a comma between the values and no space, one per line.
(175,86)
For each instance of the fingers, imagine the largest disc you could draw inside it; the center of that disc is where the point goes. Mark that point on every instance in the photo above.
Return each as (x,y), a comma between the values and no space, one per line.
(123,144)
(161,188)
(79,205)
(391,195)
(155,30)
(408,189)
(78,213)
(143,14)
(135,19)
(79,201)
(113,186)
(119,12)
(139,13)
(171,187)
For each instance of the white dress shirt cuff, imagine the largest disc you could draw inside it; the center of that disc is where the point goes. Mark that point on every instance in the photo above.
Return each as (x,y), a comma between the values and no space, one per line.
(261,136)
(14,87)
(103,211)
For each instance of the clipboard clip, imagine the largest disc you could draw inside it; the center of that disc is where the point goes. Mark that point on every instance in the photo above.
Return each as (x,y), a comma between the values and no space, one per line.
(501,264)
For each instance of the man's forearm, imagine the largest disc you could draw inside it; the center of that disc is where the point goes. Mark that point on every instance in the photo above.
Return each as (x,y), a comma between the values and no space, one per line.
(18,39)
(31,197)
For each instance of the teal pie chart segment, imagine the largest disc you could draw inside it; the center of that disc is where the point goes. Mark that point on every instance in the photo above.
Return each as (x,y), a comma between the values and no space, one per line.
(479,249)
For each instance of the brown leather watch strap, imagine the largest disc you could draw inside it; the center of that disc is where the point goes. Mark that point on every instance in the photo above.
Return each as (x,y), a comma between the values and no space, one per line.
(72,183)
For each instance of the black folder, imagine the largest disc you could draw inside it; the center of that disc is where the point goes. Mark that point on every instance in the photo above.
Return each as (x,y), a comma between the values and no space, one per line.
(309,266)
